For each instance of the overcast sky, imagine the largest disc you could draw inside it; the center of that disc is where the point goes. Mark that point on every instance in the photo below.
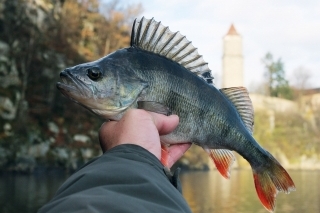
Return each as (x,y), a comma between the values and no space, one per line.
(288,29)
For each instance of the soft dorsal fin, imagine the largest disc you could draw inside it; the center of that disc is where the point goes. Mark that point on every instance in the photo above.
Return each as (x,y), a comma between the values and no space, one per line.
(239,96)
(152,36)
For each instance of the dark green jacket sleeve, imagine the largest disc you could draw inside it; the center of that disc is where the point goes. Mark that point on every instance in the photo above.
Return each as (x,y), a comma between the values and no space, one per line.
(127,178)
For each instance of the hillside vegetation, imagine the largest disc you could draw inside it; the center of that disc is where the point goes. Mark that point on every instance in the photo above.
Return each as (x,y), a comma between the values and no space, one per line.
(40,128)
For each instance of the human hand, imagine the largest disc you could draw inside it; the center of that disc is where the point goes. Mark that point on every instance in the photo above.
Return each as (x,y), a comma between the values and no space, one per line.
(142,128)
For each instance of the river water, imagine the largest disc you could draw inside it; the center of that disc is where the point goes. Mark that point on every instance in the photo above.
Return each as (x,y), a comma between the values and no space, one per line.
(204,191)
(210,192)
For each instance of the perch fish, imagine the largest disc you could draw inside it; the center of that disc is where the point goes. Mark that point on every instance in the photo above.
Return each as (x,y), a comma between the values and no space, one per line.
(162,72)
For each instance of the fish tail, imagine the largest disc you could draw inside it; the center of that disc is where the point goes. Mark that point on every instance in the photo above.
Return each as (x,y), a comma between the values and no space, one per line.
(271,179)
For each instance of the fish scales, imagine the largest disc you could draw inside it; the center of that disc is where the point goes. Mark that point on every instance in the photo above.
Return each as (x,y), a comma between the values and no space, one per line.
(190,110)
(162,72)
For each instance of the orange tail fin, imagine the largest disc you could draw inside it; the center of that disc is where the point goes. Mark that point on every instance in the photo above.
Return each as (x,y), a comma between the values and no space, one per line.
(271,180)
(164,155)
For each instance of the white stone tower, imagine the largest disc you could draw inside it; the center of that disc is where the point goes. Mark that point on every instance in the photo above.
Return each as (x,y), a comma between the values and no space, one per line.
(232,59)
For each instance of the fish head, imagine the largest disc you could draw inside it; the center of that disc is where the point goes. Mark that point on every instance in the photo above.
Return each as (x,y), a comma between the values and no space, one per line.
(105,87)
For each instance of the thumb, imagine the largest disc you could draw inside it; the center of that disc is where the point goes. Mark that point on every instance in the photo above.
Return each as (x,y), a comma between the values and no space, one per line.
(164,124)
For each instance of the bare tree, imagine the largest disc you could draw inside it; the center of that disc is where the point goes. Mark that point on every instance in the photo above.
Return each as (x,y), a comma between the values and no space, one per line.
(119,20)
(301,80)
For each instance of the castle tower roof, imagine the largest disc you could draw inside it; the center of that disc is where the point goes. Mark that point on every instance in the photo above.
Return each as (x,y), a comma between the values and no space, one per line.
(232,30)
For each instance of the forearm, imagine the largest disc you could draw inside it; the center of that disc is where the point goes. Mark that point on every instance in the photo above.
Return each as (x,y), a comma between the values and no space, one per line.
(126,178)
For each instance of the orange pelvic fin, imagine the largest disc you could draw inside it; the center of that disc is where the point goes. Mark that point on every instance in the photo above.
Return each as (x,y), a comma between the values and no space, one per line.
(271,180)
(164,155)
(223,160)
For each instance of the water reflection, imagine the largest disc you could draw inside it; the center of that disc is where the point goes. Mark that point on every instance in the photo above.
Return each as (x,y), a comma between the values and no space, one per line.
(205,192)
(210,192)
(27,193)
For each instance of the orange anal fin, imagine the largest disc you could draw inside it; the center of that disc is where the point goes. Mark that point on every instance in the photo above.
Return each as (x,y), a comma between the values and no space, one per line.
(223,160)
(269,181)
(164,155)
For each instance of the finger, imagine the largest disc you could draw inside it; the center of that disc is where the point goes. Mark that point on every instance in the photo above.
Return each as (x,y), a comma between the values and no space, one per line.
(105,130)
(176,151)
(165,124)
(105,134)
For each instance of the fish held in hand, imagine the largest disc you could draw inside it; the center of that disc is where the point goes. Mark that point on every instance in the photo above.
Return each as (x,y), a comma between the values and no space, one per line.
(162,72)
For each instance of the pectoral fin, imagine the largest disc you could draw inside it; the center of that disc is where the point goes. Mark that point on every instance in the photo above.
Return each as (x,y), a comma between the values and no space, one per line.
(154,106)
(223,160)
(164,155)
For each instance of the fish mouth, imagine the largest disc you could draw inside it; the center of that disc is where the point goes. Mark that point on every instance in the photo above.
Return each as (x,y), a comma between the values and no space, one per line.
(66,89)
(67,83)
(72,86)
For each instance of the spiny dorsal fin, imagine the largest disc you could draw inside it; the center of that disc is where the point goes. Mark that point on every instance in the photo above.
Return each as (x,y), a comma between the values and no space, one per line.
(239,96)
(152,36)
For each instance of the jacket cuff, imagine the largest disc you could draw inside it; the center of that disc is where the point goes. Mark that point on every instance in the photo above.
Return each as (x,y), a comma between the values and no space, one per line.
(173,177)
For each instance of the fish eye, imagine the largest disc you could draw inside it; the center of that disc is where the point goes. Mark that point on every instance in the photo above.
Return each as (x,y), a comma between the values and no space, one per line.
(94,73)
